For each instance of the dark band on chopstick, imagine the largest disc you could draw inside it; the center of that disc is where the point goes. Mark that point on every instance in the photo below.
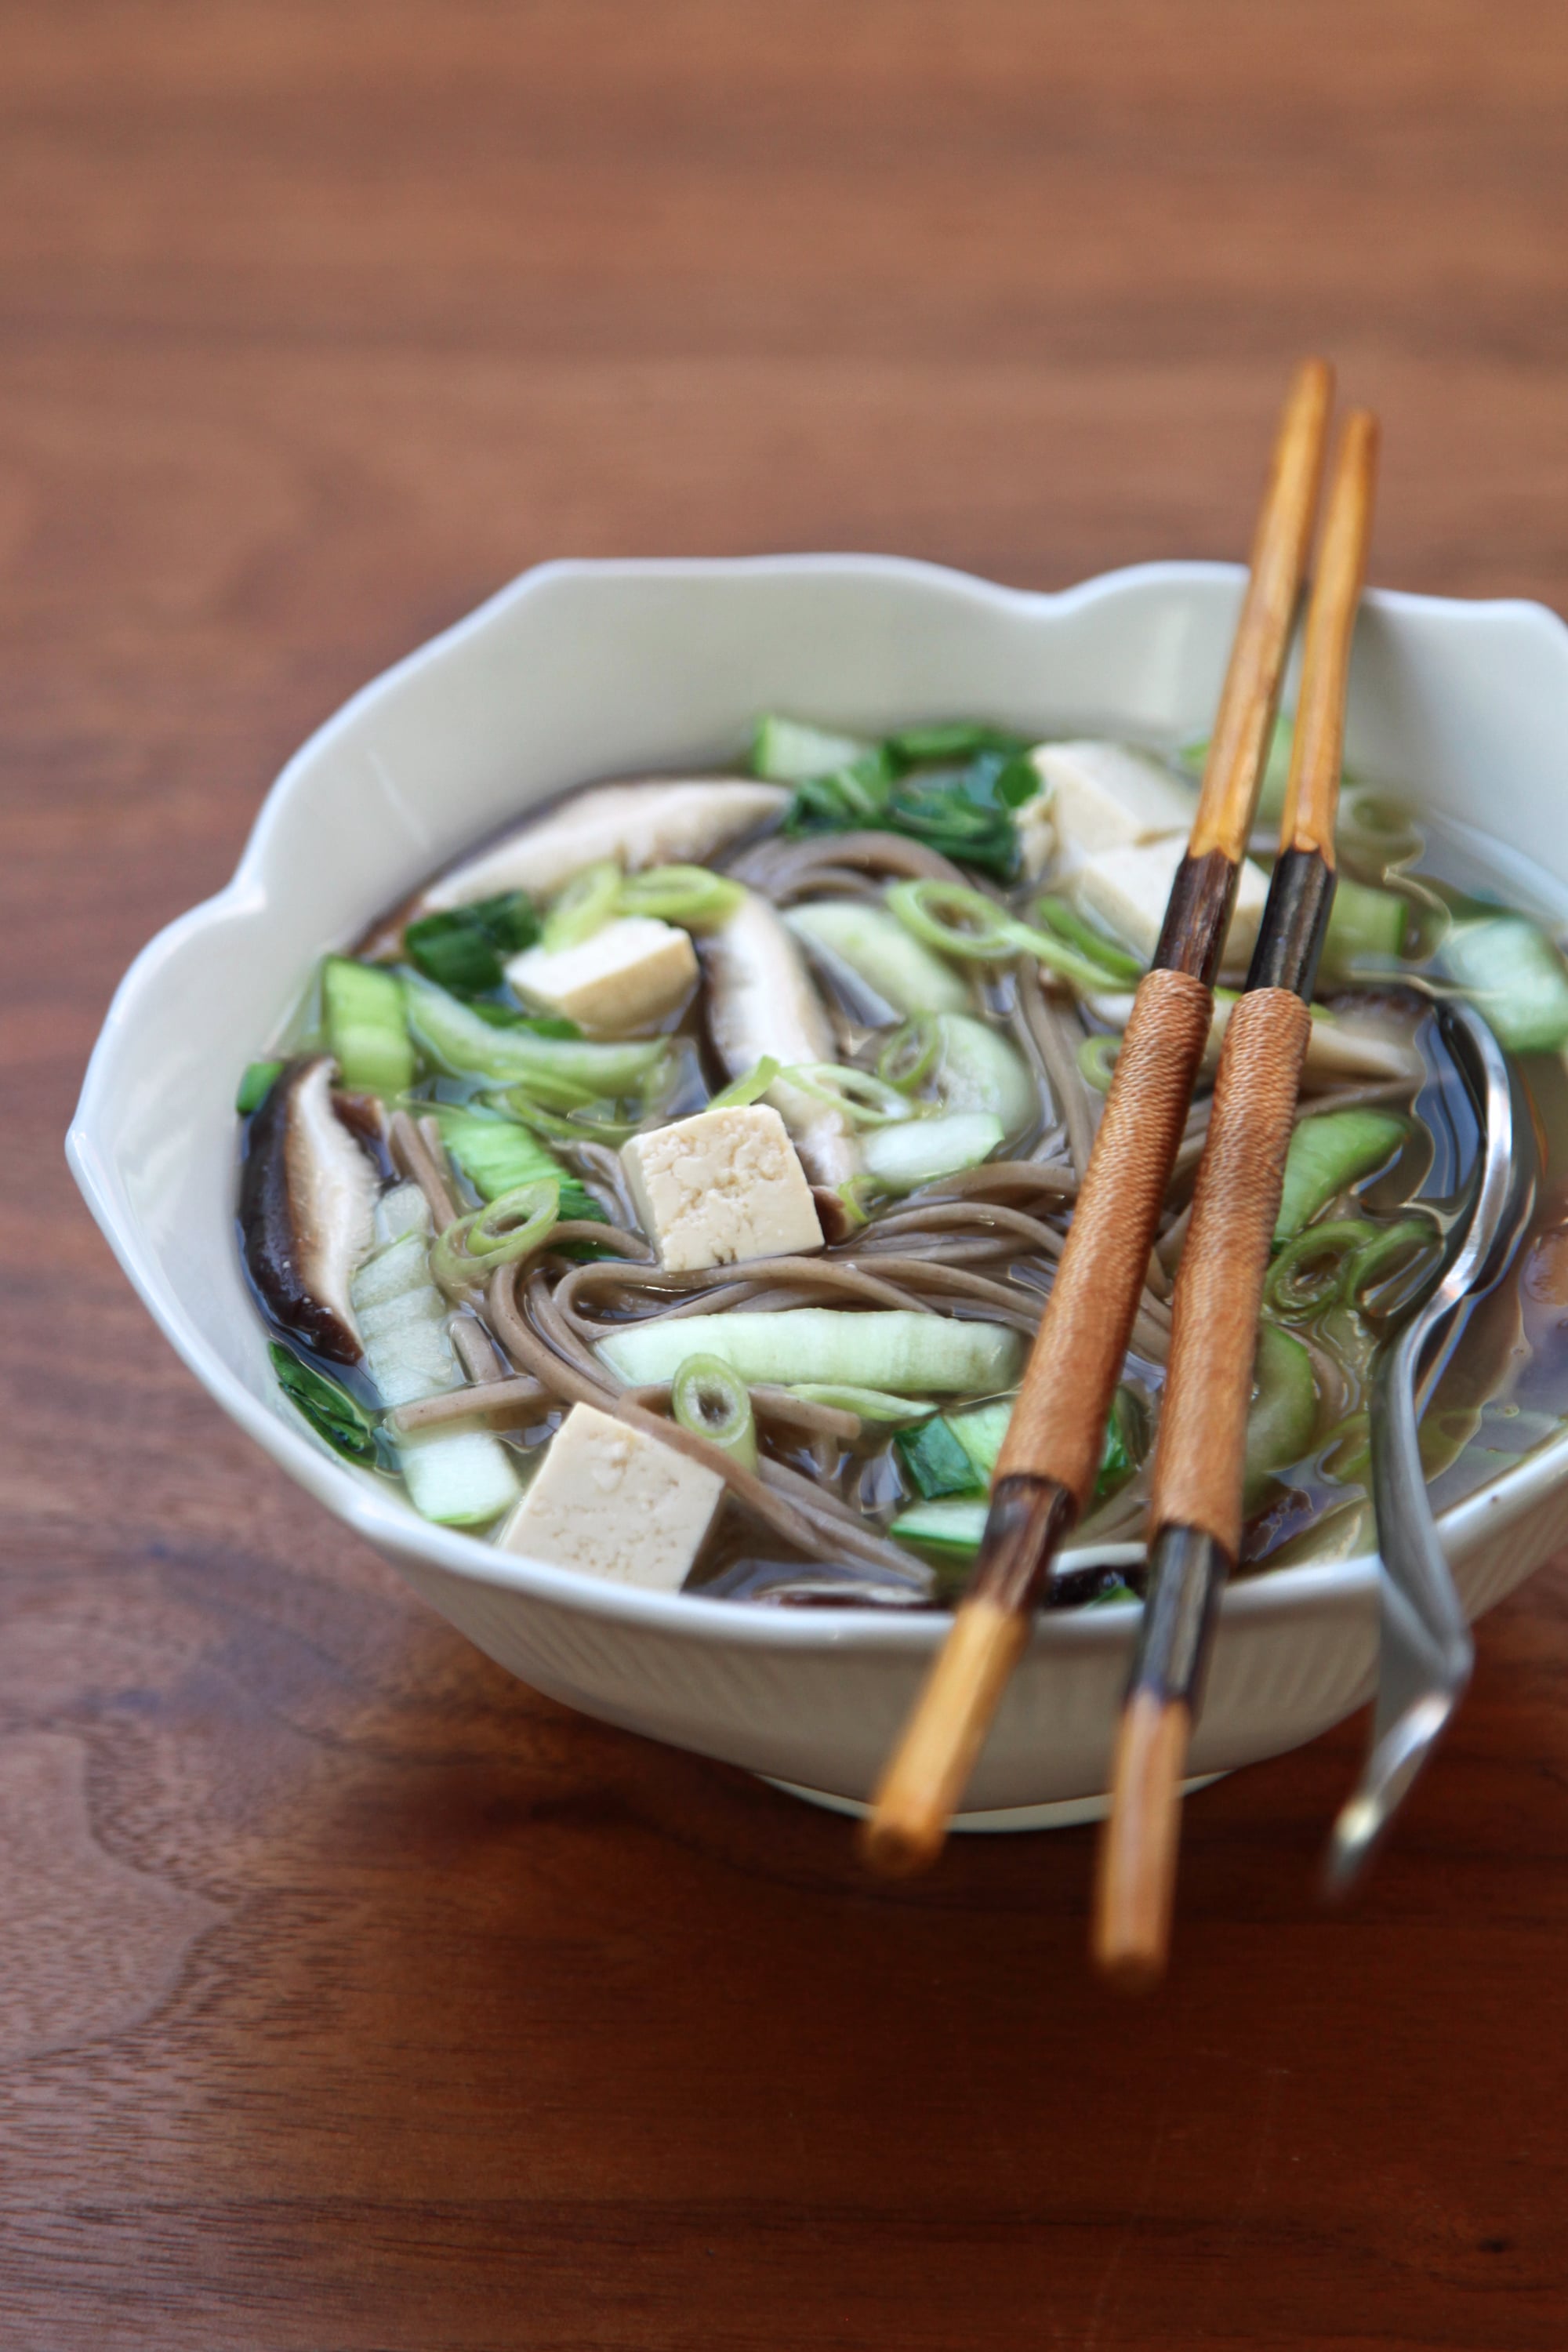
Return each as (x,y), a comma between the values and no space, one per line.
(1174,1648)
(1295,924)
(1197,916)
(1028,1516)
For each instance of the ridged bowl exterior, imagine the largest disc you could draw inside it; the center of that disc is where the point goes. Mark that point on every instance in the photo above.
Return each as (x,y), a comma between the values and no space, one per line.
(581,670)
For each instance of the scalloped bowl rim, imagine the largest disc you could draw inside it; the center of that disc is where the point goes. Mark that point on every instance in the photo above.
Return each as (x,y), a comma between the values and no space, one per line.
(390,1526)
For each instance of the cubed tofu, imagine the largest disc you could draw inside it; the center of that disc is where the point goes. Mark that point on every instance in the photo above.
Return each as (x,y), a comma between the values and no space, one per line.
(1104,797)
(1128,888)
(611,1502)
(720,1187)
(632,972)
(1036,825)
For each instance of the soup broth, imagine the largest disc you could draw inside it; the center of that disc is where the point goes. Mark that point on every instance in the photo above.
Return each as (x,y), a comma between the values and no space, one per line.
(671,1189)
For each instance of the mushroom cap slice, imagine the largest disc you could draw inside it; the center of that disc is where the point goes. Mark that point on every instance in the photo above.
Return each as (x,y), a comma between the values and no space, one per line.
(307,1202)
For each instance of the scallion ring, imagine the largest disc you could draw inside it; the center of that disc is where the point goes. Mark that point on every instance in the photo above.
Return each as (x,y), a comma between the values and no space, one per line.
(710,1399)
(1309,1271)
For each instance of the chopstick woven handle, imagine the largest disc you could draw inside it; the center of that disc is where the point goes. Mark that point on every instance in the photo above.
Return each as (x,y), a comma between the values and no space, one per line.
(1198,1460)
(1057,1430)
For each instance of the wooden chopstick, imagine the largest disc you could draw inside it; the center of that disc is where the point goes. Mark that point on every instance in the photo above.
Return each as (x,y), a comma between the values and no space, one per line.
(1048,1465)
(1196,1512)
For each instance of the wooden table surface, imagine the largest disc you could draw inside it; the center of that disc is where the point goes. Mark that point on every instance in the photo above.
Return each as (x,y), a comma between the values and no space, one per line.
(351,1995)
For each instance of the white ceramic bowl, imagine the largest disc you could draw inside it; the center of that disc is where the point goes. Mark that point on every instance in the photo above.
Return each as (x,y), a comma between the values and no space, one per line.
(583,670)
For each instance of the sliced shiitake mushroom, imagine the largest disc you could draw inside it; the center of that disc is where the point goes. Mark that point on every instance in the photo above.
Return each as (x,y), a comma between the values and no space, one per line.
(307,1201)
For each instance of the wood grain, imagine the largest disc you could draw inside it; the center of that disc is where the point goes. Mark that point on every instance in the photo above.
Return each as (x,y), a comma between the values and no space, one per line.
(365,2001)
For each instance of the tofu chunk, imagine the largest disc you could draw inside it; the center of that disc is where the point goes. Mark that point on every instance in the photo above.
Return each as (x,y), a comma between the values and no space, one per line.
(720,1187)
(610,1502)
(1127,890)
(1104,797)
(1035,823)
(633,971)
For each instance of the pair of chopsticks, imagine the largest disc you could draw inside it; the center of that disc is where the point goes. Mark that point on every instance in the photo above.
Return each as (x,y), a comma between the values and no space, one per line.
(1047,1466)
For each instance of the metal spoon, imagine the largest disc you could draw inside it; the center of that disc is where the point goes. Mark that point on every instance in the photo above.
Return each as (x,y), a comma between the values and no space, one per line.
(1424,1648)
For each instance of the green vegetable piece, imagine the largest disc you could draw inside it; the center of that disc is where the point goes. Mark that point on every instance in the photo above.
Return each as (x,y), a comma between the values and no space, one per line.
(936,1461)
(589,901)
(951,1528)
(1283,1417)
(787,751)
(464,947)
(1514,975)
(980,1432)
(1384,1273)
(1366,927)
(871,1404)
(687,895)
(892,1348)
(881,952)
(1126,1443)
(332,1412)
(366,1028)
(258,1083)
(497,1155)
(1327,1155)
(749,1087)
(922,1151)
(458,1037)
(1310,1270)
(1055,915)
(710,1399)
(917,746)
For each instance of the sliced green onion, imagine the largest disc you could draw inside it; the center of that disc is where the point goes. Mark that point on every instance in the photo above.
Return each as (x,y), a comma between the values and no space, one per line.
(709,1397)
(871,1404)
(749,1087)
(1057,916)
(504,1231)
(864,1100)
(256,1084)
(687,895)
(909,1055)
(1308,1271)
(955,919)
(1396,1256)
(582,1123)
(587,903)
(332,1412)
(1097,1061)
(965,922)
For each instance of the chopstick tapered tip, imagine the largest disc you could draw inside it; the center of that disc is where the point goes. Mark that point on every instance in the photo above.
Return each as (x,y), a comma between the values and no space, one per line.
(925,1783)
(1136,1880)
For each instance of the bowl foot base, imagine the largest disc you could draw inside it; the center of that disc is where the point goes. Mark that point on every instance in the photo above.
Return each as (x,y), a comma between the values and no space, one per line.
(1064,1814)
